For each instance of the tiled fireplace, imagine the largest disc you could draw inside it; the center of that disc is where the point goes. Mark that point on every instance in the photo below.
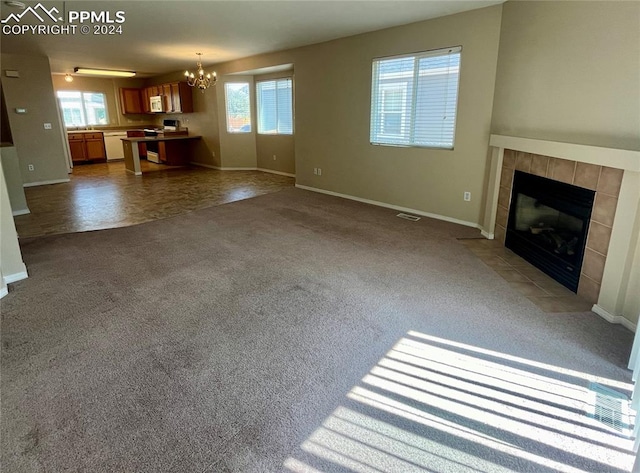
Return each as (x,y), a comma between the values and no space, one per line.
(610,271)
(605,181)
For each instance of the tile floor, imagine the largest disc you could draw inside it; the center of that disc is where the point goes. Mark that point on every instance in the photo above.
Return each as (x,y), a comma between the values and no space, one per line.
(104,195)
(542,290)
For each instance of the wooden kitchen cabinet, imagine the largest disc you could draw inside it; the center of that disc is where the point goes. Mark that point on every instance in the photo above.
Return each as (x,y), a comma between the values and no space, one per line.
(144,97)
(181,97)
(76,148)
(178,98)
(130,100)
(87,147)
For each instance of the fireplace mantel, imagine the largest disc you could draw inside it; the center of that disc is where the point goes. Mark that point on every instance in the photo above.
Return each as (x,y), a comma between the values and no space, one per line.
(618,300)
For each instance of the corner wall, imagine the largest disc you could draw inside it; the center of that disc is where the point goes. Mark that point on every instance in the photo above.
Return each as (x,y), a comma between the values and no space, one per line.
(33,90)
(332,103)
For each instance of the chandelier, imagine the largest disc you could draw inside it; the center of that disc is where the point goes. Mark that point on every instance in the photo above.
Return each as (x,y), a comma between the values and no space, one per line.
(199,79)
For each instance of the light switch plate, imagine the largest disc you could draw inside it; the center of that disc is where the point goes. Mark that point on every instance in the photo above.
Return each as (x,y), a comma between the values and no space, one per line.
(47,126)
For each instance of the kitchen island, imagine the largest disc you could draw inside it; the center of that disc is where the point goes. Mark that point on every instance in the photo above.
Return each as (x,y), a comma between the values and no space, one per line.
(174,150)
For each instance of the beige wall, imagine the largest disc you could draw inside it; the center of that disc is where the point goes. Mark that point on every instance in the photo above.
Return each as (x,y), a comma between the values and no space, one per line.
(332,102)
(280,146)
(570,71)
(45,149)
(111,89)
(237,150)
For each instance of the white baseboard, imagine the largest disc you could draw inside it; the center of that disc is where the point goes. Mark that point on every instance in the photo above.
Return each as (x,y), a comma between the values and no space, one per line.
(45,183)
(15,213)
(208,166)
(3,291)
(280,173)
(391,206)
(614,319)
(10,278)
(487,235)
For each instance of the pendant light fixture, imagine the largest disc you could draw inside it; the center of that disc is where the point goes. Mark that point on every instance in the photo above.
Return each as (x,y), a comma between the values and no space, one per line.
(200,80)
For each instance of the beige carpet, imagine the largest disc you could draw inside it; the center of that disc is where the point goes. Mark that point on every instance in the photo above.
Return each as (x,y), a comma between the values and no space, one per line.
(295,332)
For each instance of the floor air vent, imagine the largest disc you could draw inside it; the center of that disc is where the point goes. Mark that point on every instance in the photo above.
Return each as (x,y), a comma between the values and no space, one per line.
(413,218)
(610,408)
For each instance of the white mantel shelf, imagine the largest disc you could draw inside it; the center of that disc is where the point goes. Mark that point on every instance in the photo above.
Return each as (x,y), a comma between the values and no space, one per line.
(628,160)
(622,264)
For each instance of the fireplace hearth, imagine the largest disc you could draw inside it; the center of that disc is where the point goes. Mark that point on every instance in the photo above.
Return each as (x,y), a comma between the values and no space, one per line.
(548,225)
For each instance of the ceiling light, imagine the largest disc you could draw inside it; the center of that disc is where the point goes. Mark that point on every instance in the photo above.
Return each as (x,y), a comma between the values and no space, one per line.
(68,77)
(200,80)
(103,72)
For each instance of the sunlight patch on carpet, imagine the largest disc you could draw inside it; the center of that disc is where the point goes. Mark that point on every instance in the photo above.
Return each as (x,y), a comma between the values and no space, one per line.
(432,404)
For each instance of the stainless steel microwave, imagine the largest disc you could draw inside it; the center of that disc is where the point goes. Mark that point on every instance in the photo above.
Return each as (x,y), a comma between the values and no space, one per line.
(156,103)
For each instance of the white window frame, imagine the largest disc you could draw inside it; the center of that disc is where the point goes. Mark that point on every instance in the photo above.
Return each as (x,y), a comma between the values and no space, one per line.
(407,137)
(83,107)
(277,104)
(226,107)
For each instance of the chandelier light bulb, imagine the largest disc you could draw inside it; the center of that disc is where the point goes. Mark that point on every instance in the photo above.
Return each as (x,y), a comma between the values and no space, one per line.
(203,80)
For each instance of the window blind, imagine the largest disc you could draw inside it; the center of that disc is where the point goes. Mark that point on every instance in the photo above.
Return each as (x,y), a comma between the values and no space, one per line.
(275,106)
(414,99)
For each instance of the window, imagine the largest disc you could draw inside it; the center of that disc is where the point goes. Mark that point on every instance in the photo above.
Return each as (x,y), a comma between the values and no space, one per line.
(275,107)
(414,99)
(238,108)
(83,108)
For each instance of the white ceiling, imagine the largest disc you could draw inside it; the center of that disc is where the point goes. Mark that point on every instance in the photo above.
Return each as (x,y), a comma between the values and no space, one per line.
(163,36)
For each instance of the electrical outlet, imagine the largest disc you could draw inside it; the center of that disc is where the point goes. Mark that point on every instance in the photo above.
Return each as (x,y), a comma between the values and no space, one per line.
(274,157)
(31,167)
(213,153)
(467,196)
(47,126)
(315,171)
(319,172)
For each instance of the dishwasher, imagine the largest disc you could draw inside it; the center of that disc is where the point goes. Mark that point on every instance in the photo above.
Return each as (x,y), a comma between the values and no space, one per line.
(113,144)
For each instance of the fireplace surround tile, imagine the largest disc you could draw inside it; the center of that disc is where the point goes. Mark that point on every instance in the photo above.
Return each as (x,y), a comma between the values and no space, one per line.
(509,159)
(540,165)
(587,175)
(504,197)
(604,209)
(507,178)
(562,170)
(593,265)
(599,236)
(610,181)
(589,289)
(502,216)
(523,161)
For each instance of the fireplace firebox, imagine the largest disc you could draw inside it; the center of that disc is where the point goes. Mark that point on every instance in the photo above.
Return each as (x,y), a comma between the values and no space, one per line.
(548,225)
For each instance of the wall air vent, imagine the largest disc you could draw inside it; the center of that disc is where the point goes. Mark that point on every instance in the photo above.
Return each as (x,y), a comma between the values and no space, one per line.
(413,218)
